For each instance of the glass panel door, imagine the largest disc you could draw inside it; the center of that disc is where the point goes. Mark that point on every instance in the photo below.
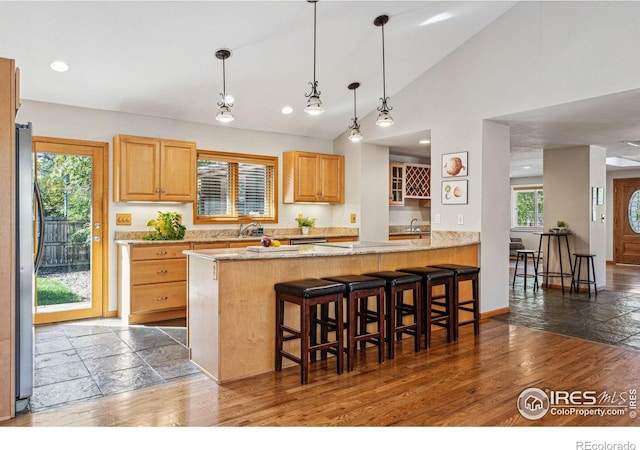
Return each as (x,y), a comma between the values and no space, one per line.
(68,229)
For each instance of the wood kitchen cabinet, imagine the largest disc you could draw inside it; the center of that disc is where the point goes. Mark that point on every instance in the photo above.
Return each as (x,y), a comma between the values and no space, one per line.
(417,181)
(396,184)
(312,177)
(152,282)
(409,180)
(151,169)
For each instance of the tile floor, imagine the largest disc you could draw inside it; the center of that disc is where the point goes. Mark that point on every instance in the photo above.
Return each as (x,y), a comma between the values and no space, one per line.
(78,361)
(611,317)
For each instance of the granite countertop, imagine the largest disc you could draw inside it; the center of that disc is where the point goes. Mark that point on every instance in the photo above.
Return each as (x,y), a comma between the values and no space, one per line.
(399,230)
(440,239)
(231,235)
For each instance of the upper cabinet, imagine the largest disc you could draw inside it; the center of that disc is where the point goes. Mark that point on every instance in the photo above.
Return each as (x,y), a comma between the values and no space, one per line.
(151,169)
(408,180)
(312,177)
(417,181)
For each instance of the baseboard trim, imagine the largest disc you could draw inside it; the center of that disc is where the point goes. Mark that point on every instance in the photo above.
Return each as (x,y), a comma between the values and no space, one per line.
(495,312)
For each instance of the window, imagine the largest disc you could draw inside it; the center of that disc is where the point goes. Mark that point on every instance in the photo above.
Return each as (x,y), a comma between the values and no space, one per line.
(527,206)
(234,187)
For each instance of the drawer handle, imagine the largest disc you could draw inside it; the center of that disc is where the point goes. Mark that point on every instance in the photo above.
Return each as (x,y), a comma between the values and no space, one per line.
(161,253)
(162,299)
(162,271)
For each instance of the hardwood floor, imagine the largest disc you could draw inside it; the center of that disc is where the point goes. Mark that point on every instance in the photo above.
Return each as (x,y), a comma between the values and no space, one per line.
(475,382)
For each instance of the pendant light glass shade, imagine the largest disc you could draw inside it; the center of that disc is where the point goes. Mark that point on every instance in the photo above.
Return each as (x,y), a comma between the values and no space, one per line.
(354,129)
(314,104)
(384,117)
(224,113)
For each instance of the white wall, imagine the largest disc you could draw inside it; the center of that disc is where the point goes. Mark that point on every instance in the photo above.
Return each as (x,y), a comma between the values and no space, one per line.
(537,54)
(89,124)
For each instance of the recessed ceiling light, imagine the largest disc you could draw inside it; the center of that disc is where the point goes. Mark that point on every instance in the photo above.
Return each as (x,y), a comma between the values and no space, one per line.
(287,110)
(424,141)
(437,18)
(526,167)
(59,66)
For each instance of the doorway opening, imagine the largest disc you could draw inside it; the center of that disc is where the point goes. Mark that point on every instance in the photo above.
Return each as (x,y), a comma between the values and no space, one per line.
(69,227)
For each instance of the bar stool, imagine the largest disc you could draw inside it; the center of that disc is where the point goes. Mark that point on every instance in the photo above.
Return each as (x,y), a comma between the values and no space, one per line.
(523,255)
(577,267)
(308,294)
(396,283)
(465,273)
(443,315)
(358,289)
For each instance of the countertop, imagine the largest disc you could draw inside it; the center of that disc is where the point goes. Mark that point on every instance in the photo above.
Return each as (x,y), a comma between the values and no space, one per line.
(440,239)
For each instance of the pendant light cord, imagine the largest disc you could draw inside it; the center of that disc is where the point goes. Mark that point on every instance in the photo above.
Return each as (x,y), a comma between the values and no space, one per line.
(355,116)
(314,41)
(224,83)
(384,81)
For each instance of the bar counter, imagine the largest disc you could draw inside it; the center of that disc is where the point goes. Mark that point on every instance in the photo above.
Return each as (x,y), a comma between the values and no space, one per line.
(231,299)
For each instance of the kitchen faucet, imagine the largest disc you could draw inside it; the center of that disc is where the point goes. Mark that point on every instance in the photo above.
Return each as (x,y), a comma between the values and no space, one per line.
(243,230)
(411,226)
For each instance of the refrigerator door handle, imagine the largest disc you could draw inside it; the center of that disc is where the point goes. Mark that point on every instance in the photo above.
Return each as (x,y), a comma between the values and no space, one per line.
(40,232)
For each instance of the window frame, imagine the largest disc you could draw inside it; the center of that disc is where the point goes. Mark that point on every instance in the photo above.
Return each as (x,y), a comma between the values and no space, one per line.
(237,158)
(515,189)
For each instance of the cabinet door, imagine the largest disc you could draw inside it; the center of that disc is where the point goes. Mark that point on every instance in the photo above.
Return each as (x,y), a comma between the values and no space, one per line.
(331,178)
(306,177)
(178,171)
(396,184)
(137,169)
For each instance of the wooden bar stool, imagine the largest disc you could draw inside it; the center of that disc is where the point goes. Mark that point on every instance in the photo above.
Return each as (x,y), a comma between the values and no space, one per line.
(523,255)
(396,283)
(577,269)
(465,273)
(359,289)
(442,314)
(308,294)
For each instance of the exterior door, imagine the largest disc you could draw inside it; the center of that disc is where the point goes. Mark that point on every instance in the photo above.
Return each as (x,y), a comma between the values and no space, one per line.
(70,228)
(626,230)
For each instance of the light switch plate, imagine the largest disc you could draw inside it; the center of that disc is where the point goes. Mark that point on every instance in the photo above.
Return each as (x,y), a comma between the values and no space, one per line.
(123,219)
(460,219)
(436,218)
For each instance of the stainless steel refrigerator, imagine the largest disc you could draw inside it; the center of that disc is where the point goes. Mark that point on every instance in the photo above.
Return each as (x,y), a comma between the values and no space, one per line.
(25,271)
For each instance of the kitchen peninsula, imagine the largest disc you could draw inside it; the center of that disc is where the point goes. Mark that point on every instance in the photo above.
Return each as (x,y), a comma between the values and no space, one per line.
(231,299)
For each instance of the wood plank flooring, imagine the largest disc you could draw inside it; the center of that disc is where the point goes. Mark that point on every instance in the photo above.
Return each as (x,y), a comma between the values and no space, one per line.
(475,382)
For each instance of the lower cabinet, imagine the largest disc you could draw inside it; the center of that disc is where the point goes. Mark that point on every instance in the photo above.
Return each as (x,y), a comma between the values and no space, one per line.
(152,282)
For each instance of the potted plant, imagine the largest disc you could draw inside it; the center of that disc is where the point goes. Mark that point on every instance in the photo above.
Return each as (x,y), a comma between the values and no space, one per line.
(561,226)
(167,226)
(305,223)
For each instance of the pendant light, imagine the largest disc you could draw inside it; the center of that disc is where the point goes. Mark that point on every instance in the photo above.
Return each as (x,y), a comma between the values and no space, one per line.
(314,105)
(354,134)
(384,118)
(224,114)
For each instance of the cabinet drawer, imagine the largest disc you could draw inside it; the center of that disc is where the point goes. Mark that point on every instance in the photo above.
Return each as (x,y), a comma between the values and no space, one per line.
(159,297)
(147,272)
(144,252)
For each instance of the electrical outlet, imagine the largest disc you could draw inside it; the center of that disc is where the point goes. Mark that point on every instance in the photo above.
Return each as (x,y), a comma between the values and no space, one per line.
(353,218)
(123,219)
(460,219)
(436,218)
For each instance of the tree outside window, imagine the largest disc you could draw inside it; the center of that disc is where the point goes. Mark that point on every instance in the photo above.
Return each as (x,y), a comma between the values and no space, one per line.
(528,208)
